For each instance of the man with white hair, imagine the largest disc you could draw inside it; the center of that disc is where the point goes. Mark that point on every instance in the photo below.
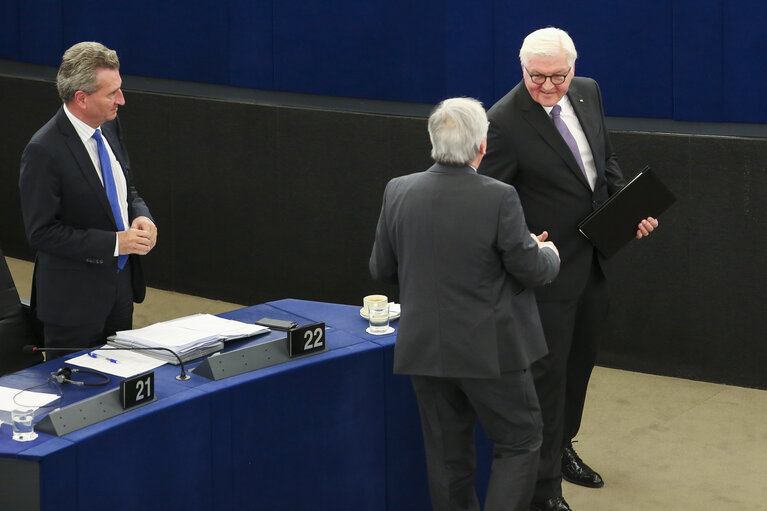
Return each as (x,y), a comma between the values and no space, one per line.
(548,139)
(457,244)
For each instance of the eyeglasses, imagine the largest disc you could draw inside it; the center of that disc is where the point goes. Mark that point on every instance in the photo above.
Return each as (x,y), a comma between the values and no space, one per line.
(541,79)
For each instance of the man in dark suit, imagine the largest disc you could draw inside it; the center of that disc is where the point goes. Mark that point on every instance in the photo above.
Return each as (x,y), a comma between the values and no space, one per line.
(457,244)
(81,211)
(548,138)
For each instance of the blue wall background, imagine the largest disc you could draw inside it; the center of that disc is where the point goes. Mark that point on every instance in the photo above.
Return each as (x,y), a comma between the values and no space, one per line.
(674,59)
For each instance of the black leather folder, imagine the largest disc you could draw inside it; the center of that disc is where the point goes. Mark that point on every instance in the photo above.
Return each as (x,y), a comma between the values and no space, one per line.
(615,222)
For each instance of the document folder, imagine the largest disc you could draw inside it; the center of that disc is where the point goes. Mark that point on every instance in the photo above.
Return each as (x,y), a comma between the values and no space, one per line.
(615,222)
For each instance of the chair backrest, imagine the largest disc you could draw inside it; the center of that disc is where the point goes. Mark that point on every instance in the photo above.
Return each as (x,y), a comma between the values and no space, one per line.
(16,327)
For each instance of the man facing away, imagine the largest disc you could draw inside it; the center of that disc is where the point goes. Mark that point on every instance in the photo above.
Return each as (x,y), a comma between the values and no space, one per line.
(458,246)
(548,139)
(82,214)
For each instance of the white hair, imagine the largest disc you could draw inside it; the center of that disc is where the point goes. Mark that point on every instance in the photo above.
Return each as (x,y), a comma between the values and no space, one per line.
(457,127)
(548,42)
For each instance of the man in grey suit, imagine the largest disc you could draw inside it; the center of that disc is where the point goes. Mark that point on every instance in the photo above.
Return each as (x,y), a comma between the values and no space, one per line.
(548,139)
(459,248)
(82,213)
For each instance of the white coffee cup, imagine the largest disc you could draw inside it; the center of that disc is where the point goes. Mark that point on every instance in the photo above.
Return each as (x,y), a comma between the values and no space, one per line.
(373,300)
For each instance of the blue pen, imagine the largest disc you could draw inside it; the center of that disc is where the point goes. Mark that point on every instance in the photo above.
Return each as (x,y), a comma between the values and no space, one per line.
(96,355)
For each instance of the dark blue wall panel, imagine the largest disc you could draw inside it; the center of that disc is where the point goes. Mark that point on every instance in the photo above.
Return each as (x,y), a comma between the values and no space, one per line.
(177,39)
(627,48)
(745,66)
(9,30)
(41,25)
(414,56)
(698,61)
(359,49)
(251,47)
(674,59)
(468,64)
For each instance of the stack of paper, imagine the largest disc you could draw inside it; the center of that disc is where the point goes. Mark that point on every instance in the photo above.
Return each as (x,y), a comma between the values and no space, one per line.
(187,344)
(189,337)
(226,329)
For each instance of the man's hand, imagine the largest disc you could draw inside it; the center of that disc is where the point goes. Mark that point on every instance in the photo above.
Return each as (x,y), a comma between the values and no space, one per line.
(142,223)
(646,226)
(541,240)
(134,241)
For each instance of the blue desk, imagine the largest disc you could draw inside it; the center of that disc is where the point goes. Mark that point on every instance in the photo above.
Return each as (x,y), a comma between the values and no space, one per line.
(306,434)
(331,431)
(406,480)
(406,483)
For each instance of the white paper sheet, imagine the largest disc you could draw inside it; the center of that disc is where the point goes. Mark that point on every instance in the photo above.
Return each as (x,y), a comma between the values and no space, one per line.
(127,363)
(27,398)
(226,328)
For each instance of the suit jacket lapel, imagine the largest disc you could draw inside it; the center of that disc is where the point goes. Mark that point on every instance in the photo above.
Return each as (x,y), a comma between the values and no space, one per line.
(83,160)
(536,116)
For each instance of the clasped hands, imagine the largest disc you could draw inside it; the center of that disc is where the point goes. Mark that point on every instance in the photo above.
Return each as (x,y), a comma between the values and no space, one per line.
(139,239)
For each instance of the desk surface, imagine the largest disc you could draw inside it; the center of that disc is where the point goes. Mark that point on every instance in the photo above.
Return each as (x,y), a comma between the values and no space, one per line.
(305,434)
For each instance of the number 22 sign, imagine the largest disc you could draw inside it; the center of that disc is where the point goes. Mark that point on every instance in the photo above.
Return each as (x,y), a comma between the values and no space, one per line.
(306,339)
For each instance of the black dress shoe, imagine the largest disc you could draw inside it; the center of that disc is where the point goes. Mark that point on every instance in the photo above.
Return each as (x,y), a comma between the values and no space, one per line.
(576,471)
(553,504)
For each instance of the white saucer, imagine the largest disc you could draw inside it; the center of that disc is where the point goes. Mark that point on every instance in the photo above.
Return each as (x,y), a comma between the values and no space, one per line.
(385,332)
(394,311)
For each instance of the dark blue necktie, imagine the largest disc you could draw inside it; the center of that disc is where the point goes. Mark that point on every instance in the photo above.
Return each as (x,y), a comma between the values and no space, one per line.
(111,189)
(569,139)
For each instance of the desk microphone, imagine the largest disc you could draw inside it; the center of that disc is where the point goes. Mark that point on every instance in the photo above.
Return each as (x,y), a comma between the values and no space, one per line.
(35,349)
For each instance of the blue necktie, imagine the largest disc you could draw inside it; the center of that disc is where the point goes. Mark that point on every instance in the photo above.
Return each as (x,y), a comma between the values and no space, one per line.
(569,139)
(111,189)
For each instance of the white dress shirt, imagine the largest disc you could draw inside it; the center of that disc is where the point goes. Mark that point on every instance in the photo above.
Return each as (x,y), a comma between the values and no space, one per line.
(571,120)
(85,133)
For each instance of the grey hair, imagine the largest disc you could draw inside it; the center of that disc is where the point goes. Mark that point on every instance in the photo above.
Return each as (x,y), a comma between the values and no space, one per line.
(79,67)
(457,127)
(548,42)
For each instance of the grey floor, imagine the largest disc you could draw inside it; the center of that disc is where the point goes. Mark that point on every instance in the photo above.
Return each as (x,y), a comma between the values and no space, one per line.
(660,443)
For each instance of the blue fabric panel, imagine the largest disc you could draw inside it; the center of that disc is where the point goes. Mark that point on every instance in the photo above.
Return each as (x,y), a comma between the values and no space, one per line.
(303,414)
(251,51)
(698,61)
(172,460)
(175,39)
(745,57)
(406,478)
(9,30)
(407,486)
(468,59)
(413,61)
(40,23)
(630,55)
(357,49)
(58,479)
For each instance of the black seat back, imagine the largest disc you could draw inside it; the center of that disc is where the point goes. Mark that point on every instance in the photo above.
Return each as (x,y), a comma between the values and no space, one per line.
(16,327)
